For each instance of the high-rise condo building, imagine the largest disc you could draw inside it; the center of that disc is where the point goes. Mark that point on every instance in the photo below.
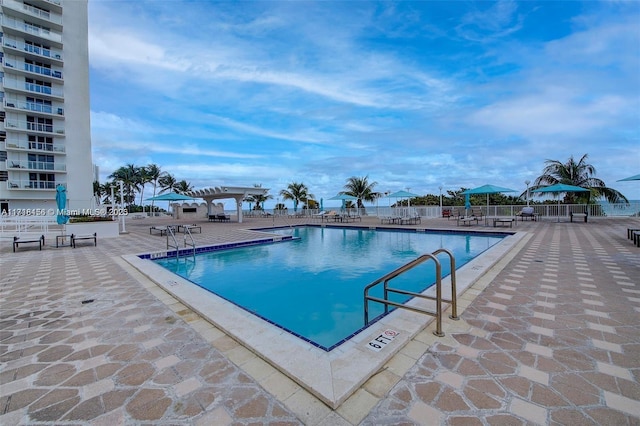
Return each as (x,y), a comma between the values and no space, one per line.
(45,134)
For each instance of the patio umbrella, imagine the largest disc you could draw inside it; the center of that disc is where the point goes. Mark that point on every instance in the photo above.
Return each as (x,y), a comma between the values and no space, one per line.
(404,194)
(636,177)
(344,197)
(560,188)
(170,196)
(486,189)
(61,202)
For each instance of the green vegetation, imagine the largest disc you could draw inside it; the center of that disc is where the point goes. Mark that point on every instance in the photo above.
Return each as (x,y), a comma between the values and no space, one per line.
(134,180)
(576,173)
(297,192)
(580,174)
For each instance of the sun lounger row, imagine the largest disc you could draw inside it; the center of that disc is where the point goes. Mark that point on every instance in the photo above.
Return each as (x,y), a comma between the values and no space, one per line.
(400,220)
(220,217)
(73,239)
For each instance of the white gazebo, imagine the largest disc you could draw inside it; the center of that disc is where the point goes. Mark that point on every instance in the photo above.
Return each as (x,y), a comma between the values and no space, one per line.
(238,193)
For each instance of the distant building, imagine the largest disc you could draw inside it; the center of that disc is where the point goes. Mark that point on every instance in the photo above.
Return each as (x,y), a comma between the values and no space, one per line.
(45,132)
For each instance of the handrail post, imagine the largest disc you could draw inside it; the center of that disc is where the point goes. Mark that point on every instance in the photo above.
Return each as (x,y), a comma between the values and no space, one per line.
(454,293)
(438,331)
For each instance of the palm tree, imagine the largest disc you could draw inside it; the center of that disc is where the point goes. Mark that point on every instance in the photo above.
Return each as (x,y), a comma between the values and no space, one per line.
(580,174)
(258,199)
(98,192)
(361,188)
(296,192)
(183,187)
(129,176)
(144,178)
(167,183)
(154,173)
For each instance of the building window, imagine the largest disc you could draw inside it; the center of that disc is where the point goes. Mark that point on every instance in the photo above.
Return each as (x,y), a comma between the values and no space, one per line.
(3,155)
(4,176)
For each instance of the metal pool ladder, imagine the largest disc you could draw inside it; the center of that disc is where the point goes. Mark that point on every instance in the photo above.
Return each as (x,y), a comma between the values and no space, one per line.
(176,246)
(187,231)
(391,275)
(171,233)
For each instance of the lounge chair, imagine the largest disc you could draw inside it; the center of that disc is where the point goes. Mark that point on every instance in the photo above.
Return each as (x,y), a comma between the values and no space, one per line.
(527,212)
(332,216)
(390,219)
(219,217)
(582,215)
(455,214)
(75,238)
(161,229)
(477,212)
(466,220)
(17,241)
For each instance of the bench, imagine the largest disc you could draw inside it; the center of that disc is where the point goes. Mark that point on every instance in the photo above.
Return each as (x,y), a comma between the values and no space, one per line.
(572,214)
(502,221)
(634,235)
(17,241)
(75,238)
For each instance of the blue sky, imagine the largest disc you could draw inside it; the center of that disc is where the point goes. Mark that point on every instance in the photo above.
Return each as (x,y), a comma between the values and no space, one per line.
(412,94)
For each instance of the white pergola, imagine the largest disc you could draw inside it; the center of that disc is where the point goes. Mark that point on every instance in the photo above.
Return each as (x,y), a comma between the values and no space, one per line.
(238,193)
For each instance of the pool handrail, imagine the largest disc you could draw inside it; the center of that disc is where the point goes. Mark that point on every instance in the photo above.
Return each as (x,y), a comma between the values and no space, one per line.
(438,298)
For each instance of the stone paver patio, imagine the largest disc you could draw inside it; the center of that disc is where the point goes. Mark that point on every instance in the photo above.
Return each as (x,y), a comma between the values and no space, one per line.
(551,335)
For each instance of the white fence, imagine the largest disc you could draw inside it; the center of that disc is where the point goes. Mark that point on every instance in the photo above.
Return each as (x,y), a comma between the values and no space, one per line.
(543,210)
(16,226)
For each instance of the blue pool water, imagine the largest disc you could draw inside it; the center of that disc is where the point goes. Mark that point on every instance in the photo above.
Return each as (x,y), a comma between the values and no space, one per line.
(312,286)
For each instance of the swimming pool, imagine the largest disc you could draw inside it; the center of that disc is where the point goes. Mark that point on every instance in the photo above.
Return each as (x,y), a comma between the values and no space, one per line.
(311,285)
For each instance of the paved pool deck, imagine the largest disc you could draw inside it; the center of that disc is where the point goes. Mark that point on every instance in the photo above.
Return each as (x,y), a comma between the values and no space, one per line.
(550,335)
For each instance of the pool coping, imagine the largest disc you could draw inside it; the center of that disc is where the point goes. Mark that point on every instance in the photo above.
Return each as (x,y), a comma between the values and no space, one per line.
(331,376)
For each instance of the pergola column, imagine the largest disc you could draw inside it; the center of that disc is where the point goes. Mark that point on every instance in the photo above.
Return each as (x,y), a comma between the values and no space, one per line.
(239,207)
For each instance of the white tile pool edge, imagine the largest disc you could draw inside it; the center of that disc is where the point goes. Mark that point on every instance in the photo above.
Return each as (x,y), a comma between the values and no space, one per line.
(330,376)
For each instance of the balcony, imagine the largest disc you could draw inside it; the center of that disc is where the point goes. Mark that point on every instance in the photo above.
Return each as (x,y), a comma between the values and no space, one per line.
(24,184)
(36,166)
(35,147)
(49,129)
(22,27)
(32,52)
(29,12)
(33,88)
(25,68)
(54,109)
